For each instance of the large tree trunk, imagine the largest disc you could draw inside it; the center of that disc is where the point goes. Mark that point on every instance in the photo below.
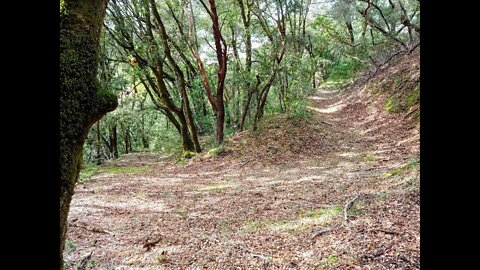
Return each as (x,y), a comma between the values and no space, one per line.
(82,102)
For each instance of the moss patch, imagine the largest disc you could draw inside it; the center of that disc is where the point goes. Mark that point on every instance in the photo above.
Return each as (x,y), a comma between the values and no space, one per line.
(392,104)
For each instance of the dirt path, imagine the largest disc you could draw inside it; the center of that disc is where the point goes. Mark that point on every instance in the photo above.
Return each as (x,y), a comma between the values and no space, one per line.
(238,212)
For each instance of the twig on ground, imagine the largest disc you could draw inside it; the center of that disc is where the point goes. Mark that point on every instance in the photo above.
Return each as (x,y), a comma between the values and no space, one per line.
(348,205)
(382,250)
(387,232)
(83,263)
(244,163)
(320,232)
(95,230)
(148,245)
(255,254)
(416,109)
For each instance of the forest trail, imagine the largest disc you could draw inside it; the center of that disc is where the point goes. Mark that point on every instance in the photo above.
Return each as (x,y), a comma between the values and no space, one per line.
(275,205)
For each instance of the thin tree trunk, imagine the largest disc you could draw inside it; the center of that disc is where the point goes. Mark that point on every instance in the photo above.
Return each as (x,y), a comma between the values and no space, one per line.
(144,136)
(246,106)
(127,141)
(221,52)
(98,145)
(114,140)
(350,32)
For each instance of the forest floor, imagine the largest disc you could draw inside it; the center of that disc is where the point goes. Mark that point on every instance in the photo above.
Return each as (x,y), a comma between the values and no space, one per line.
(274,199)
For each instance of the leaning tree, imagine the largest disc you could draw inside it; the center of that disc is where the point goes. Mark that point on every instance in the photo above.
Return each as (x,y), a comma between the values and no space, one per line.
(82,101)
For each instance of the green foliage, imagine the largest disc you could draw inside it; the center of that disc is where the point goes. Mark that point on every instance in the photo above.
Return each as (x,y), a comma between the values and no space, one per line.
(70,245)
(390,104)
(345,69)
(91,263)
(331,260)
(414,97)
(323,53)
(297,108)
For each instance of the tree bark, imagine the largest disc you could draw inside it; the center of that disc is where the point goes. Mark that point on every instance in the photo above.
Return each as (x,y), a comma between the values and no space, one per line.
(113,141)
(181,85)
(350,32)
(82,102)
(128,146)
(98,146)
(246,106)
(221,52)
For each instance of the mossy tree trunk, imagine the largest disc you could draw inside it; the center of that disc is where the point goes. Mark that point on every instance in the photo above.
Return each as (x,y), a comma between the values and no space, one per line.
(82,102)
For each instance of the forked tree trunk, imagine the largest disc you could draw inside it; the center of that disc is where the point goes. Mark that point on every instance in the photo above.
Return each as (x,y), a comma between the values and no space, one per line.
(82,102)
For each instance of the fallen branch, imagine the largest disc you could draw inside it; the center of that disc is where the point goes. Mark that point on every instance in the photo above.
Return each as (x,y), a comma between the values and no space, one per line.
(416,109)
(255,254)
(320,232)
(245,163)
(148,245)
(384,63)
(387,232)
(348,205)
(382,250)
(95,230)
(413,48)
(323,122)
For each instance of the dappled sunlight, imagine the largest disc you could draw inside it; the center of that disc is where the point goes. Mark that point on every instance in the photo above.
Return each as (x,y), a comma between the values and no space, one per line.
(123,202)
(320,217)
(348,154)
(330,109)
(218,186)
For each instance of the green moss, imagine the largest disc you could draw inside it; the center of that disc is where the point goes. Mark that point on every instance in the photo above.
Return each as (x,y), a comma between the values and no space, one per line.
(216,151)
(188,154)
